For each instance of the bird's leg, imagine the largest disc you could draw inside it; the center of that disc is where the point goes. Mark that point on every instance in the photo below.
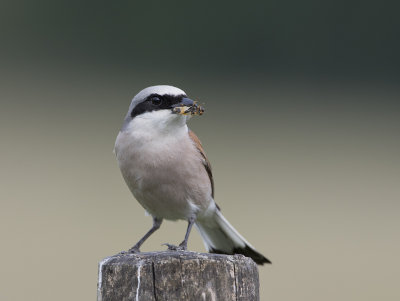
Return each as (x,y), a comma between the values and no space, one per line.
(156,225)
(183,245)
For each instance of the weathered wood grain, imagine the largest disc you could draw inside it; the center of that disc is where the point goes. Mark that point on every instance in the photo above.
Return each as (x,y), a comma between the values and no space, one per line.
(170,275)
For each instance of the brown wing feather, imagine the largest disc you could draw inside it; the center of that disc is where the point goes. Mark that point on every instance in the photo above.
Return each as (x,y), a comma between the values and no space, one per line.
(206,163)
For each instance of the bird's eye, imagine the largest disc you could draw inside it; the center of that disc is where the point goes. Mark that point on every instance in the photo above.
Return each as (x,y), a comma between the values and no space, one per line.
(156,100)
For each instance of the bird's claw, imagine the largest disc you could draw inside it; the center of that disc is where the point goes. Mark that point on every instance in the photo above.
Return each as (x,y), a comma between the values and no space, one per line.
(175,248)
(133,250)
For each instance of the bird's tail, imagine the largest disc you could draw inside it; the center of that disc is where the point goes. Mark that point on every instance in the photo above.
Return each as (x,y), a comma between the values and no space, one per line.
(220,237)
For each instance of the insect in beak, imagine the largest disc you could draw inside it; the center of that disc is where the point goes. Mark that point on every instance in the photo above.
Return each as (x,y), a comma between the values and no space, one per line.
(188,107)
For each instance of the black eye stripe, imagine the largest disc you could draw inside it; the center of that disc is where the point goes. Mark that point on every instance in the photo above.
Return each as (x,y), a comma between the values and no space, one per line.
(167,101)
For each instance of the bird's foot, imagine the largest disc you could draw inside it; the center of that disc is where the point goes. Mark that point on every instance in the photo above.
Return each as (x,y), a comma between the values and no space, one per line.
(133,250)
(175,248)
(183,245)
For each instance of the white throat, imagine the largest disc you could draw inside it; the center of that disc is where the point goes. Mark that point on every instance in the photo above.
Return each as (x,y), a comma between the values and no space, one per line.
(156,125)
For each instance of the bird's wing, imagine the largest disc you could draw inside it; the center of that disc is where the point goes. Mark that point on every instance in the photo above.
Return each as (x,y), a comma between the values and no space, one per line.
(206,163)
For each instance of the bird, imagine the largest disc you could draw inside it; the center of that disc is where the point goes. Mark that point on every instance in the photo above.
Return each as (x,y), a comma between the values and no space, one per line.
(165,167)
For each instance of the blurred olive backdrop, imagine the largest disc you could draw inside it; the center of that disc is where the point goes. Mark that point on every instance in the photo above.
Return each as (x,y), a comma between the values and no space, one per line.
(302,127)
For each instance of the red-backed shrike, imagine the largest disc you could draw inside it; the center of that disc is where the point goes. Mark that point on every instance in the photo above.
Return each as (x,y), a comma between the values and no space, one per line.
(166,169)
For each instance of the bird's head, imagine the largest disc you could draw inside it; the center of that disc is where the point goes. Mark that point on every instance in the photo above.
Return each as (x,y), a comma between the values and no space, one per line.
(161,105)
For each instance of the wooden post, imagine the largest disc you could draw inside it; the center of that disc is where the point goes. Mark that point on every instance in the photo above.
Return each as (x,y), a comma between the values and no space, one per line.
(173,275)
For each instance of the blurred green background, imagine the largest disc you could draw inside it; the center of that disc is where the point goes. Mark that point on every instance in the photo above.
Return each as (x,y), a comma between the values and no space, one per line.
(302,127)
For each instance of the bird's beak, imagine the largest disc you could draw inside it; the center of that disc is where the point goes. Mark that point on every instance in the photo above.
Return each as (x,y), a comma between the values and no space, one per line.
(187,107)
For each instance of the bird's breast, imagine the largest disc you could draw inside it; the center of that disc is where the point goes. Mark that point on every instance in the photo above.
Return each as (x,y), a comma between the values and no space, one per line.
(165,174)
